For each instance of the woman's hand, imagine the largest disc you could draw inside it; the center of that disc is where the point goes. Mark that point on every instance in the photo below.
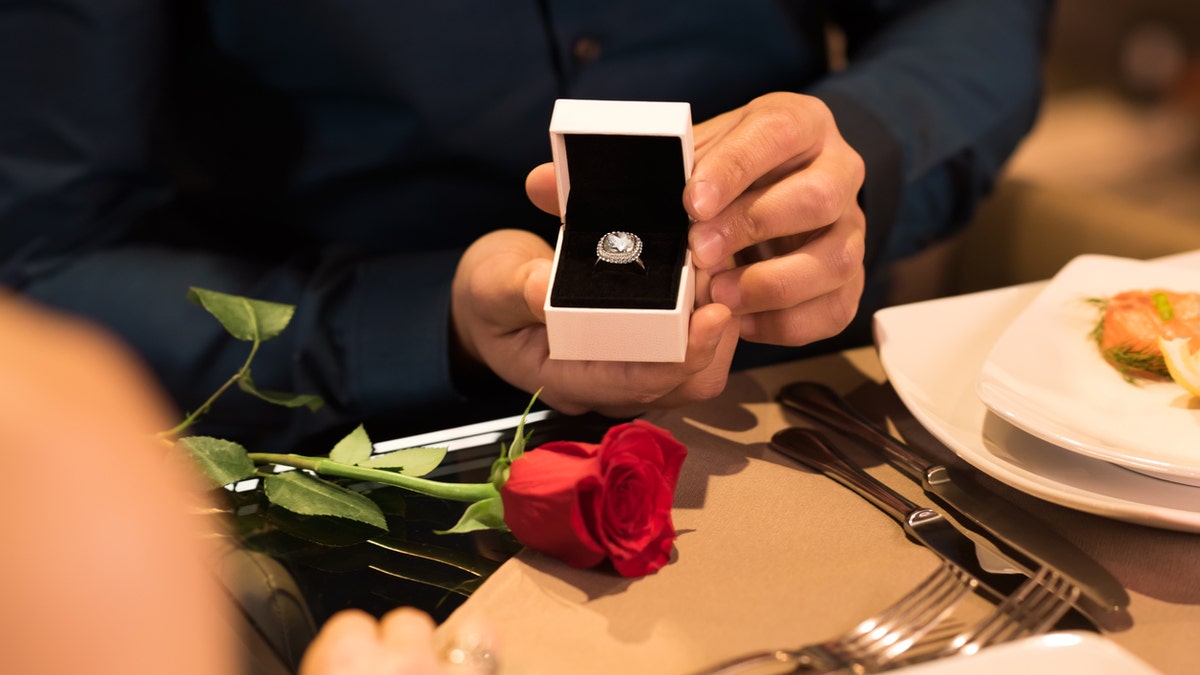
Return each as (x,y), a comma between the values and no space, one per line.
(352,642)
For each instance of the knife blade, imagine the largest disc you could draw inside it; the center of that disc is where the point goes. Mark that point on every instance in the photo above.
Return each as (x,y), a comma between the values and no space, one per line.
(1019,535)
(924,525)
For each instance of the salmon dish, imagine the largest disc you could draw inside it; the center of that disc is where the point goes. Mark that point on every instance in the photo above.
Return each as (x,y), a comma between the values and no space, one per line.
(1132,322)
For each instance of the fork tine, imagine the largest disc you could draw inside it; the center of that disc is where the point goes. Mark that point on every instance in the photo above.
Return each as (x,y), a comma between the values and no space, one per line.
(1004,618)
(875,642)
(1033,608)
(1056,601)
(929,591)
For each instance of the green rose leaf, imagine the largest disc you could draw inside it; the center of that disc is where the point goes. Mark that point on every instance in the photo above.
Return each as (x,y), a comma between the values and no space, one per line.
(301,493)
(485,514)
(245,319)
(222,462)
(283,398)
(289,533)
(353,448)
(410,462)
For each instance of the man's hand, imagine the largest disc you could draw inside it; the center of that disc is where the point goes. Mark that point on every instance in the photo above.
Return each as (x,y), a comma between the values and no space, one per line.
(778,226)
(778,236)
(499,291)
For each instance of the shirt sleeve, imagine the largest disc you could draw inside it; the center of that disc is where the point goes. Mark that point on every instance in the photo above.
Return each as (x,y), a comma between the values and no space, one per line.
(936,95)
(84,228)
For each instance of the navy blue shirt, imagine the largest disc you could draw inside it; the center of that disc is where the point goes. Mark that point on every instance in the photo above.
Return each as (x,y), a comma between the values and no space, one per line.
(340,155)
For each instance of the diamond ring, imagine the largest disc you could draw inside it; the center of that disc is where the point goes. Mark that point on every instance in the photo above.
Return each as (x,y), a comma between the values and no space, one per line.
(620,248)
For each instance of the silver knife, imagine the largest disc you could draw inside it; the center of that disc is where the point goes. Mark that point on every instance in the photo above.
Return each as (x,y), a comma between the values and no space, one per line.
(1019,535)
(923,524)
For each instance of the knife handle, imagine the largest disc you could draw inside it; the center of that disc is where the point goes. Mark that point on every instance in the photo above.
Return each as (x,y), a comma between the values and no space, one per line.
(810,447)
(825,406)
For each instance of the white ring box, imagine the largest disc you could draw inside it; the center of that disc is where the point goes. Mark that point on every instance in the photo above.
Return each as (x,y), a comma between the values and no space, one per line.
(621,166)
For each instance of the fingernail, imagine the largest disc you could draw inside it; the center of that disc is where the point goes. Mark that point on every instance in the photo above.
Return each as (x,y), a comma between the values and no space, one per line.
(705,199)
(726,292)
(707,247)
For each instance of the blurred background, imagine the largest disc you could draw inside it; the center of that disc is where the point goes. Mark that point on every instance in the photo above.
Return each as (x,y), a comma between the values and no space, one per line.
(1123,109)
(1113,164)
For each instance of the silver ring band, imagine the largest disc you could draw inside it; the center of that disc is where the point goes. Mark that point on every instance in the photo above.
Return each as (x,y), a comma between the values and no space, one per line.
(620,248)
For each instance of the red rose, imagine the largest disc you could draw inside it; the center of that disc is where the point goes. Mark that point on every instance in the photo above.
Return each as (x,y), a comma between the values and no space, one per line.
(582,502)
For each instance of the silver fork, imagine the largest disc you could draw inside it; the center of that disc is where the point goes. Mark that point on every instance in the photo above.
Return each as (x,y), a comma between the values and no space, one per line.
(1033,608)
(873,643)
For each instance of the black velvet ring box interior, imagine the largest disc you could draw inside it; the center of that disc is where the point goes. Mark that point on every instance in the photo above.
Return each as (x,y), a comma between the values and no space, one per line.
(621,167)
(629,184)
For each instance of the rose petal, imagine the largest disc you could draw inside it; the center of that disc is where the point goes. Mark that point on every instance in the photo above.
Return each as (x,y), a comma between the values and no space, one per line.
(641,465)
(583,502)
(638,532)
(541,501)
(644,436)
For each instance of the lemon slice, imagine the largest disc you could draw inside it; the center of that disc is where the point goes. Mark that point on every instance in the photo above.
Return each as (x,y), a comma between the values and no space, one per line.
(1183,365)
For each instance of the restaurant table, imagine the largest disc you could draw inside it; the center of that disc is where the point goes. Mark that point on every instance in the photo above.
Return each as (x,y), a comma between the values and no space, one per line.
(773,555)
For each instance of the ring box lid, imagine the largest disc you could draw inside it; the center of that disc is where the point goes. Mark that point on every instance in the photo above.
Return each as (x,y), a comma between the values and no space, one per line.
(621,166)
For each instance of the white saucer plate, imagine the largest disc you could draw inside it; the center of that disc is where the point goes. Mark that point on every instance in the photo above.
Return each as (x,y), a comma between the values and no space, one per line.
(1046,375)
(1049,654)
(933,353)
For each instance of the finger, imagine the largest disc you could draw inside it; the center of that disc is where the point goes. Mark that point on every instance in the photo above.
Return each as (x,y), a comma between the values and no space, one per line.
(628,389)
(816,319)
(711,380)
(499,292)
(716,136)
(712,341)
(542,187)
(771,131)
(703,287)
(407,629)
(406,644)
(709,327)
(472,649)
(802,201)
(504,288)
(709,133)
(824,263)
(537,286)
(344,645)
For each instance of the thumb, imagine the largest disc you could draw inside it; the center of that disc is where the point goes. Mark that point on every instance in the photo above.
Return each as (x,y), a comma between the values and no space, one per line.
(542,188)
(537,285)
(509,275)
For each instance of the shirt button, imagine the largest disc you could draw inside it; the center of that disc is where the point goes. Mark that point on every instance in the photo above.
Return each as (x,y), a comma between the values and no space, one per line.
(585,50)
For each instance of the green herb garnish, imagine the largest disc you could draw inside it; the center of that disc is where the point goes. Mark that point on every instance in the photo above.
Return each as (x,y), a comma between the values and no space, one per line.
(1142,362)
(1101,305)
(1165,311)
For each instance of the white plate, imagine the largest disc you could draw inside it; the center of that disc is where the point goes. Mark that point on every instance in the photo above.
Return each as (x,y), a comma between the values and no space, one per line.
(932,353)
(1049,654)
(1046,375)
